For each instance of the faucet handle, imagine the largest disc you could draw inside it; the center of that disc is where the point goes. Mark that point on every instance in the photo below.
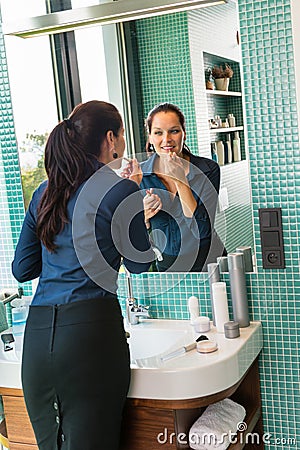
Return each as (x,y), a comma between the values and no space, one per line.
(143,308)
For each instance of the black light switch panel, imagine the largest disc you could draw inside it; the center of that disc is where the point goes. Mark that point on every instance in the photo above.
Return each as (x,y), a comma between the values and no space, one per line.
(271,237)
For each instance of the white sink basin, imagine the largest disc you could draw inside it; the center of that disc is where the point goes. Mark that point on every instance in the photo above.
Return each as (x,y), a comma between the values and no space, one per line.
(189,375)
(192,374)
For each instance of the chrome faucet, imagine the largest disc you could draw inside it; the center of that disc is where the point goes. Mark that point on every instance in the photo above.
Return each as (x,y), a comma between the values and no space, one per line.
(134,311)
(7,295)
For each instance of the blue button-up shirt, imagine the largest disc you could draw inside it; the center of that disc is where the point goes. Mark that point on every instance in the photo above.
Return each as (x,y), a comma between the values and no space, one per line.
(172,232)
(106,223)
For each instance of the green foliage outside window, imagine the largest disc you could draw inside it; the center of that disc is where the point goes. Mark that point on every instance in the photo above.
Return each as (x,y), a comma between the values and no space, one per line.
(32,164)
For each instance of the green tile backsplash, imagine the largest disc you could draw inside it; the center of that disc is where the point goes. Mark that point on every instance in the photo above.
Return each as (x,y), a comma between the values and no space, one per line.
(274,154)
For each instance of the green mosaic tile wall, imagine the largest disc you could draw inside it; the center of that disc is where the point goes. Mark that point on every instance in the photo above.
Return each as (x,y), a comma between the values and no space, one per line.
(267,49)
(274,295)
(167,67)
(11,198)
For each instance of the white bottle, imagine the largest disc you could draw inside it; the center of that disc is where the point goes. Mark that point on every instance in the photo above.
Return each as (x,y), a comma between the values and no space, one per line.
(193,305)
(231,120)
(236,147)
(220,305)
(227,149)
(220,153)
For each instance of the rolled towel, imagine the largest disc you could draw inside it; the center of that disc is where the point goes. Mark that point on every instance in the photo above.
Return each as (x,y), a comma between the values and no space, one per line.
(212,429)
(3,319)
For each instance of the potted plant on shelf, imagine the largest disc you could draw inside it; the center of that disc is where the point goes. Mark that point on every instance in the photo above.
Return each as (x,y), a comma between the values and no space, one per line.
(221,75)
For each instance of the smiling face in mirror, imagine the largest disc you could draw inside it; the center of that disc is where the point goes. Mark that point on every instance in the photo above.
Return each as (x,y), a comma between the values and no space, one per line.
(166,133)
(181,193)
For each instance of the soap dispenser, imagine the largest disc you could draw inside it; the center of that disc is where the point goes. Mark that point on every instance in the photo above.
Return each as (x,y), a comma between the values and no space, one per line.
(193,305)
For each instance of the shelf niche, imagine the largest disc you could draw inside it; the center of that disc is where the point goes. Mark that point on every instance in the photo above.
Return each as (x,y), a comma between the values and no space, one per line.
(222,103)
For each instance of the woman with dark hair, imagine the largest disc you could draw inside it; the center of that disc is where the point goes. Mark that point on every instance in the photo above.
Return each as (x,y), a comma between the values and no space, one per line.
(75,364)
(181,193)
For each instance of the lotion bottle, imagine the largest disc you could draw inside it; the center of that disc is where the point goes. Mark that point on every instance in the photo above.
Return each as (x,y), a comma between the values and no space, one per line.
(220,153)
(236,147)
(193,305)
(213,276)
(227,149)
(220,305)
(231,120)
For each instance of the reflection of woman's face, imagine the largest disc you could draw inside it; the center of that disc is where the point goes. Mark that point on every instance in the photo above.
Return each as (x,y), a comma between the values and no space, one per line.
(167,134)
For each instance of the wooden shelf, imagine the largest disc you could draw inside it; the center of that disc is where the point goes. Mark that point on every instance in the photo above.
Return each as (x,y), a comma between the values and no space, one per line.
(225,130)
(224,93)
(151,417)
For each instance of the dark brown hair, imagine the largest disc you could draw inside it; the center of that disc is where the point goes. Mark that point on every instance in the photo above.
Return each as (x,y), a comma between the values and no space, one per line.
(70,158)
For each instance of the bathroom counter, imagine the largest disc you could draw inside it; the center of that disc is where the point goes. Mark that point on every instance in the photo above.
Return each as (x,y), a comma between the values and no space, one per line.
(165,397)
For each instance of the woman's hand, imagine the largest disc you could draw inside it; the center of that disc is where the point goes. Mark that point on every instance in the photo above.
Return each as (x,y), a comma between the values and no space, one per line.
(132,171)
(152,204)
(175,167)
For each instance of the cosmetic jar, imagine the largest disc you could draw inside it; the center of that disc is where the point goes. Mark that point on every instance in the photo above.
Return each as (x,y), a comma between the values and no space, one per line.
(207,346)
(231,329)
(201,324)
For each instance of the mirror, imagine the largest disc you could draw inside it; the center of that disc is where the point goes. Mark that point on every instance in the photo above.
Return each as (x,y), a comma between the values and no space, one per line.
(169,58)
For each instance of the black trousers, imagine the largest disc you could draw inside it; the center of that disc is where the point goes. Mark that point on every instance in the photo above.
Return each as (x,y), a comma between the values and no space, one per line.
(76,374)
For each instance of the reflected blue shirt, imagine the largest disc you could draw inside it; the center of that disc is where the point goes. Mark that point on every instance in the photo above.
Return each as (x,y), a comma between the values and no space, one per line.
(172,232)
(106,225)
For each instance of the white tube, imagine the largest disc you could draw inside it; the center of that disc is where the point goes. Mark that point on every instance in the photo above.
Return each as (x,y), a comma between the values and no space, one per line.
(220,305)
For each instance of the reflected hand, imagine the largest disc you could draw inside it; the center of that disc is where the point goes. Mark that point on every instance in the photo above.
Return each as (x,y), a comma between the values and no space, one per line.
(175,167)
(132,171)
(152,204)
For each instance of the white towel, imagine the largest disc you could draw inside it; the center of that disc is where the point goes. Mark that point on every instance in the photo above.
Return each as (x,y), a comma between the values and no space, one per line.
(212,429)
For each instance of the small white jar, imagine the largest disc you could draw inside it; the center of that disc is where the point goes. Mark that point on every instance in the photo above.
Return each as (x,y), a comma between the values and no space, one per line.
(201,324)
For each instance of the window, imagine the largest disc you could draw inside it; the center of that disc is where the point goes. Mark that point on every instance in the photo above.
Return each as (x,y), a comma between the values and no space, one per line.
(34,104)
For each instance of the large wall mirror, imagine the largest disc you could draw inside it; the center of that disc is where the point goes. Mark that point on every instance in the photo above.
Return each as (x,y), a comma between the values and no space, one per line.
(161,58)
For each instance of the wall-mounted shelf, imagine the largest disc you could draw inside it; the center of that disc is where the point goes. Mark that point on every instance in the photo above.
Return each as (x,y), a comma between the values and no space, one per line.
(225,130)
(224,93)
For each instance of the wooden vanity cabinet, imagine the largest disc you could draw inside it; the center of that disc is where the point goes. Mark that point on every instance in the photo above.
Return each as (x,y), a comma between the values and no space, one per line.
(145,419)
(19,430)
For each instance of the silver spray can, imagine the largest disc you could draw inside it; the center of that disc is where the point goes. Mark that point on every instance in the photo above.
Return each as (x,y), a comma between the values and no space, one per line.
(237,277)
